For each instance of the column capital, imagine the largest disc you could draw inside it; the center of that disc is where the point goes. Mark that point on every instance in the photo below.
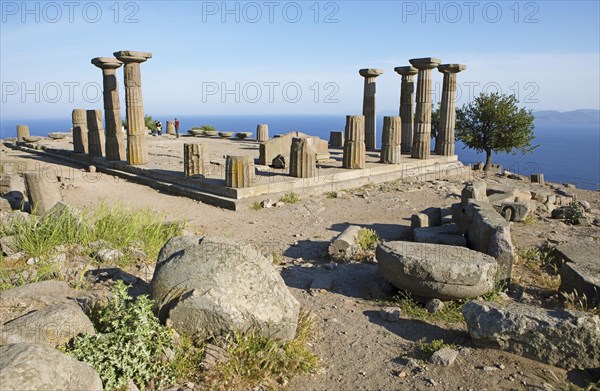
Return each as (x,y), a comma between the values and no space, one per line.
(451,68)
(106,62)
(425,63)
(131,56)
(370,72)
(408,70)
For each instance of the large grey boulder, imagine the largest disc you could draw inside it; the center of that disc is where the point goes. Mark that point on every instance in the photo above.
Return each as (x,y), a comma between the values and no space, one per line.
(436,270)
(53,325)
(488,232)
(580,272)
(476,190)
(35,367)
(566,339)
(209,286)
(24,299)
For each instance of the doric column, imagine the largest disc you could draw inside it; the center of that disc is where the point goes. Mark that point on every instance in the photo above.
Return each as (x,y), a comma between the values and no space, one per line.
(262,133)
(369,106)
(115,140)
(239,171)
(354,143)
(303,158)
(407,97)
(391,140)
(22,131)
(421,148)
(95,133)
(171,127)
(444,143)
(137,151)
(80,131)
(193,159)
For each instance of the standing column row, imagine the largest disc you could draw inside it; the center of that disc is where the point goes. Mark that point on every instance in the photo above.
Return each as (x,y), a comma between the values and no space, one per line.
(407,97)
(369,106)
(137,150)
(444,143)
(115,140)
(421,148)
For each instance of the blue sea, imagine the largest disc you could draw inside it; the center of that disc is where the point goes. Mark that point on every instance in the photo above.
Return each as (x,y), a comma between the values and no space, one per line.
(566,153)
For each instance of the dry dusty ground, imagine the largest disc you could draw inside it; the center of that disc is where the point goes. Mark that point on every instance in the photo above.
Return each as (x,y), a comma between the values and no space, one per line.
(359,351)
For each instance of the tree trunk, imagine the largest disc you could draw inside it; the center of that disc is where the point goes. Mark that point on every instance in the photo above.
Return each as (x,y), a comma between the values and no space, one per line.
(488,160)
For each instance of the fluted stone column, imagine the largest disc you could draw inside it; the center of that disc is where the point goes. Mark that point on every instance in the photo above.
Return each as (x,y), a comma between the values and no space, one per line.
(354,143)
(239,171)
(303,158)
(262,133)
(137,150)
(444,143)
(421,148)
(171,127)
(336,138)
(95,133)
(391,140)
(407,97)
(22,131)
(115,140)
(80,131)
(193,159)
(369,106)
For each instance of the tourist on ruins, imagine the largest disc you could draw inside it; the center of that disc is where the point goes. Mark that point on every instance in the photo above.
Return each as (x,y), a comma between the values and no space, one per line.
(159,128)
(177,127)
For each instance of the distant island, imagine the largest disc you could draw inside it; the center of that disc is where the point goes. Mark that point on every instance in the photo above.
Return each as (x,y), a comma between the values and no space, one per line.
(578,117)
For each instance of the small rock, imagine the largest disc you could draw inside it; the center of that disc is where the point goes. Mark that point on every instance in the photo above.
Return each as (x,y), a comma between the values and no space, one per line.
(488,368)
(444,357)
(91,168)
(432,382)
(32,261)
(339,194)
(434,305)
(500,366)
(565,192)
(279,204)
(402,374)
(108,255)
(391,314)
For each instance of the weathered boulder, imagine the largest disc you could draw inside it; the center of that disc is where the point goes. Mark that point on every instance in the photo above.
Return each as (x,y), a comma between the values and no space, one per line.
(566,339)
(26,366)
(486,231)
(436,270)
(434,216)
(580,272)
(53,325)
(43,192)
(21,300)
(516,211)
(9,220)
(419,220)
(475,190)
(209,286)
(449,234)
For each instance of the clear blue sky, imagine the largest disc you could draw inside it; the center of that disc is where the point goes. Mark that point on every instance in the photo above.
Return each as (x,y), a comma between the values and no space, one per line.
(266,53)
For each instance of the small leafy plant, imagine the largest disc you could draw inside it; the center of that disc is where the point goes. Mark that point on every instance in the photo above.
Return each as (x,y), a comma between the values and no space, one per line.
(574,213)
(130,343)
(367,239)
(290,198)
(431,347)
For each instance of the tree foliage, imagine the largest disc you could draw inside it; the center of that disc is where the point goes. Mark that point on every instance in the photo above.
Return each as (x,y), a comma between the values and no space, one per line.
(148,121)
(494,123)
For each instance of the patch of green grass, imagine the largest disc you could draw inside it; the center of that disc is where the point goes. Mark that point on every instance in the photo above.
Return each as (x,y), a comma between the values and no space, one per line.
(187,360)
(451,313)
(122,228)
(290,198)
(277,257)
(574,301)
(331,194)
(255,361)
(130,343)
(529,219)
(367,239)
(429,348)
(541,262)
(256,206)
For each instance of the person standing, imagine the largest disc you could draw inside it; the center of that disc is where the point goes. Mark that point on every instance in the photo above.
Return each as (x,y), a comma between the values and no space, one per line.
(159,128)
(176,127)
